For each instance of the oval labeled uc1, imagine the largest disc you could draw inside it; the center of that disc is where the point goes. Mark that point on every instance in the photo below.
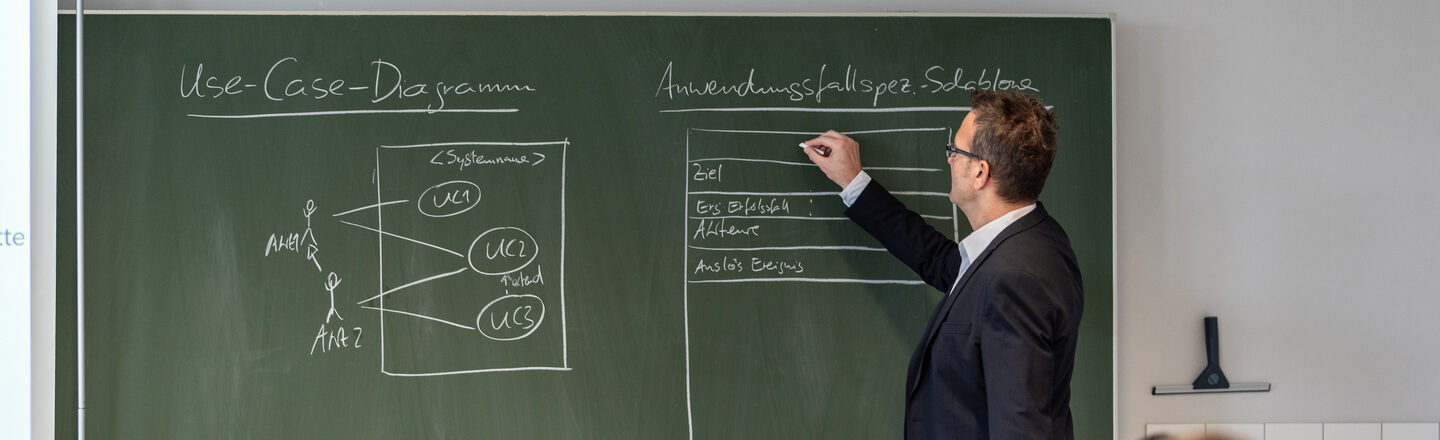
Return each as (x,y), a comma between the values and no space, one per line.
(502,250)
(449,198)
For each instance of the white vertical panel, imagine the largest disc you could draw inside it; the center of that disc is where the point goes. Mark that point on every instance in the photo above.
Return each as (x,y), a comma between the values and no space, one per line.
(1177,430)
(1294,431)
(1237,431)
(15,240)
(44,80)
(1410,431)
(1352,431)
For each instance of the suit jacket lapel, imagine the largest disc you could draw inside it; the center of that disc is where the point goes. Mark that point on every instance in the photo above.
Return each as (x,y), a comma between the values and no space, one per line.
(1021,224)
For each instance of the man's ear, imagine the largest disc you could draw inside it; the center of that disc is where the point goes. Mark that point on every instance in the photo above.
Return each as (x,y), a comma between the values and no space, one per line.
(981,176)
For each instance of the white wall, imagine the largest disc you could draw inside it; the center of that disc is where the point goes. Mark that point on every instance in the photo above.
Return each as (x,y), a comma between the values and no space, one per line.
(16,235)
(1275,167)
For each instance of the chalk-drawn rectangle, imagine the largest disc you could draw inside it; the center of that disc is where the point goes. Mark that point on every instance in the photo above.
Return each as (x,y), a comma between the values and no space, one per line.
(471,257)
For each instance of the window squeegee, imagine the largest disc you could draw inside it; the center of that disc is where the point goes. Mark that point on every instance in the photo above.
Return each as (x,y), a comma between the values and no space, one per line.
(1212,379)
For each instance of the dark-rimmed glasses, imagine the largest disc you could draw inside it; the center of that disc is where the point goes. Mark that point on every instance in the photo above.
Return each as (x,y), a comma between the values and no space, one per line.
(951,151)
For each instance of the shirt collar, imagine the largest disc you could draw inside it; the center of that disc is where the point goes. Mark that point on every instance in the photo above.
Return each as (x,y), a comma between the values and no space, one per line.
(977,241)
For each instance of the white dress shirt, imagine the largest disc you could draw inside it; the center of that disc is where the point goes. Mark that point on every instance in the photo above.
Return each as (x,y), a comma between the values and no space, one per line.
(972,245)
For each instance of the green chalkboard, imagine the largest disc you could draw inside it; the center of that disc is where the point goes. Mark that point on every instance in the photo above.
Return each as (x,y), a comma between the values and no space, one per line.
(535,227)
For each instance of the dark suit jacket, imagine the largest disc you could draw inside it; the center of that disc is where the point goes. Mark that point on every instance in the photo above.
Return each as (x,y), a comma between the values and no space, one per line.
(996,359)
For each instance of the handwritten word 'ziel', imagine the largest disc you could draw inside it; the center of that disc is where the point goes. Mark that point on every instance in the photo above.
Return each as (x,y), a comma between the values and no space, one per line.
(285,79)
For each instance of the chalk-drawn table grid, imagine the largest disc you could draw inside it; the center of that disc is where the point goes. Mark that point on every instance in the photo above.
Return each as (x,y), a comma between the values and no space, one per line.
(751,218)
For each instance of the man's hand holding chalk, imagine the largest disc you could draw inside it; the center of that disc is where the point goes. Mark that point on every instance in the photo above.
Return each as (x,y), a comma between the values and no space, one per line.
(820,149)
(836,154)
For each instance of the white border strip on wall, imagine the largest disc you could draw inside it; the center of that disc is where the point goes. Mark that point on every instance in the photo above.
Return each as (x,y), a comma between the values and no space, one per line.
(44,84)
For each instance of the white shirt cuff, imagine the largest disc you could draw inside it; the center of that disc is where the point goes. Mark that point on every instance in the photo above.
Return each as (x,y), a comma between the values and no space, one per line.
(856,186)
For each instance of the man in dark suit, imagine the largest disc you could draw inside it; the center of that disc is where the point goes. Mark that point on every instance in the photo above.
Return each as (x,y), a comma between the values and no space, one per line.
(996,360)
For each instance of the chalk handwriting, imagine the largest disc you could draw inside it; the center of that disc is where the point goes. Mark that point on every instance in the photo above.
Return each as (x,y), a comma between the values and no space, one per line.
(827,79)
(704,173)
(511,317)
(502,250)
(290,78)
(748,206)
(328,339)
(710,228)
(741,265)
(465,159)
(987,80)
(449,198)
(521,279)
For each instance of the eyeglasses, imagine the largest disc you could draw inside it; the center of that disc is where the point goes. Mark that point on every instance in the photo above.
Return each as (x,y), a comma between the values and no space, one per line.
(951,151)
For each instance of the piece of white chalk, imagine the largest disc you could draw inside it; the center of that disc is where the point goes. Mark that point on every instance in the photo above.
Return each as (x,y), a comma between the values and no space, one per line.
(819,151)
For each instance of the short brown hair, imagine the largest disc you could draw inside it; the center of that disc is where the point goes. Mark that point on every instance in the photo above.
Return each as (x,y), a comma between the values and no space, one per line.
(1016,134)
